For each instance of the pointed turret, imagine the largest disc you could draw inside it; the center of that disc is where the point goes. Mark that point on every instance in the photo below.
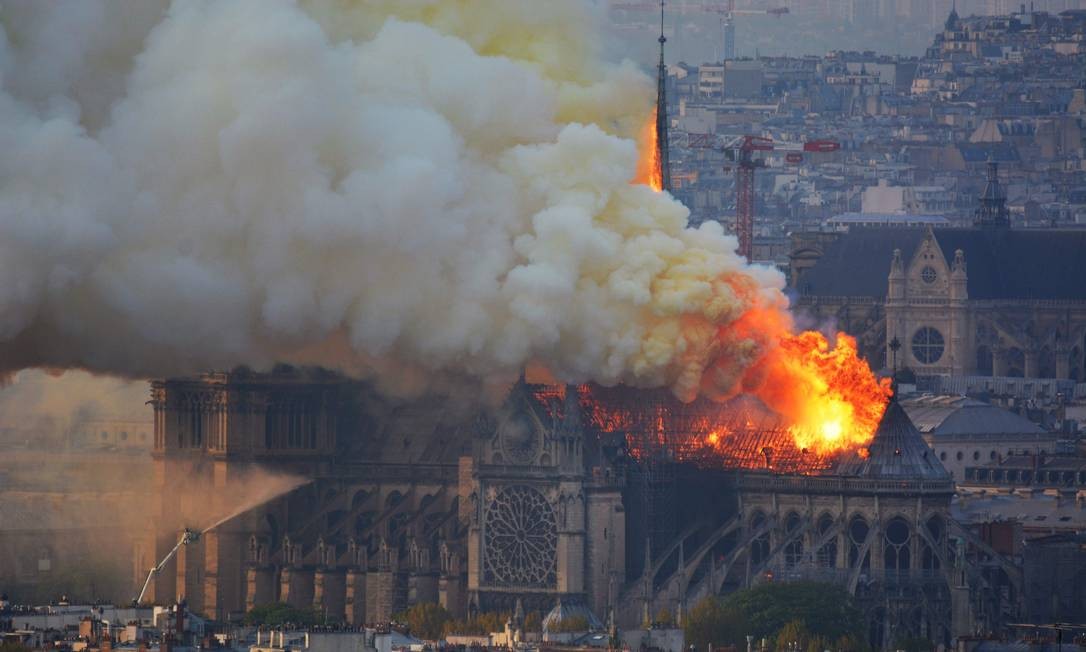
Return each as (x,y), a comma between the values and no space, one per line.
(897,276)
(897,452)
(959,277)
(518,614)
(952,21)
(663,162)
(993,203)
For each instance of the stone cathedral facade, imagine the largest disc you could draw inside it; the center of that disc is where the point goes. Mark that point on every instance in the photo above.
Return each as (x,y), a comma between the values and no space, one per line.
(546,513)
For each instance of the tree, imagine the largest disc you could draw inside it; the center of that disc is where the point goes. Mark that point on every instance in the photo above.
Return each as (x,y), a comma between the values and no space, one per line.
(663,618)
(572,624)
(851,643)
(533,622)
(477,625)
(825,610)
(276,614)
(426,620)
(711,622)
(793,636)
(913,644)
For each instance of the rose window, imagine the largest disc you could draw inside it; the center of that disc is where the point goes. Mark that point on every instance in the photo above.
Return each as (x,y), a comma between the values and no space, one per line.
(520,539)
(928,345)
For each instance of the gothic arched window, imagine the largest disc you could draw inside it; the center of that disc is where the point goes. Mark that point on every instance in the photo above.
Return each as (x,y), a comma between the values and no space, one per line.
(759,547)
(896,551)
(793,552)
(827,554)
(857,534)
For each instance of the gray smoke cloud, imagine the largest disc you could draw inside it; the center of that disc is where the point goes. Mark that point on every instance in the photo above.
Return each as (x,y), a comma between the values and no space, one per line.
(408,189)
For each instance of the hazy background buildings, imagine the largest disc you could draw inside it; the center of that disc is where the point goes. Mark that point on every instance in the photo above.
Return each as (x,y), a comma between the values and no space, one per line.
(811,27)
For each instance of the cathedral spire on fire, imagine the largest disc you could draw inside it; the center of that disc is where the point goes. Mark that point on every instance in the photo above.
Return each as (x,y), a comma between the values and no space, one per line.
(662,158)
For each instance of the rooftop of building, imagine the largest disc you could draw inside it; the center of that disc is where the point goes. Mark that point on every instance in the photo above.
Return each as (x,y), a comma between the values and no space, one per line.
(1034,511)
(1039,463)
(1002,263)
(888,219)
(949,416)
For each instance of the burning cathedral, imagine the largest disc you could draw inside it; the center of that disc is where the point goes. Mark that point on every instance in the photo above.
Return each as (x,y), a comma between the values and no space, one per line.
(623,502)
(618,502)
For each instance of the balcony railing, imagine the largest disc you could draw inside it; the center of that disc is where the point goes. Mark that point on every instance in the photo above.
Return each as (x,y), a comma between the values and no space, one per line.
(840,484)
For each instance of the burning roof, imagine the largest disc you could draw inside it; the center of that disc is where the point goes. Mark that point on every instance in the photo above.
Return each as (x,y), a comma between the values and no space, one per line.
(737,434)
(740,433)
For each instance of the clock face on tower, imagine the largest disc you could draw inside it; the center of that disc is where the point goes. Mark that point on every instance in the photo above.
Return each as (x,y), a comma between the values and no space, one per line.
(519,439)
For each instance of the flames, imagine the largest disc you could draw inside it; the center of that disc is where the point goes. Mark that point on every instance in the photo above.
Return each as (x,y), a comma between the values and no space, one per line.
(649,172)
(827,395)
(740,433)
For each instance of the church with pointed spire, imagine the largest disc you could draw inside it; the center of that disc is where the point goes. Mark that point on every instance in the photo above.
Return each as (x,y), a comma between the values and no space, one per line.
(990,300)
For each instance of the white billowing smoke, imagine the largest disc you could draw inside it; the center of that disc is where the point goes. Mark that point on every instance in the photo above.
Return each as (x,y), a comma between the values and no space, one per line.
(410,189)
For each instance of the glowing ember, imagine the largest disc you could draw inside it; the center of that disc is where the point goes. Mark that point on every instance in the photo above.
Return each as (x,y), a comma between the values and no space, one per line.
(648,164)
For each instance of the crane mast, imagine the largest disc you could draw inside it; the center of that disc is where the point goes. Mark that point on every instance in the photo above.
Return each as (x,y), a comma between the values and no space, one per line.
(741,150)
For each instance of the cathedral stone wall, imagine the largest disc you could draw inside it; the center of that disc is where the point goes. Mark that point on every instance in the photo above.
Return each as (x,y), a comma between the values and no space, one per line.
(471,516)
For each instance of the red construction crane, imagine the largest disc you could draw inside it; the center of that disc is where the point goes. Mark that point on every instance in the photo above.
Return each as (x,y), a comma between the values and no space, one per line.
(741,150)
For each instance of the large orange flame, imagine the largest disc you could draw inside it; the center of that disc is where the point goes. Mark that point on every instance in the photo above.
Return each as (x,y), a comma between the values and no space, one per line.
(829,394)
(648,163)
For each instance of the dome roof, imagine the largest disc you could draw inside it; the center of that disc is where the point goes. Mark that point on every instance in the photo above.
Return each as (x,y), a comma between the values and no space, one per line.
(566,610)
(951,416)
(897,451)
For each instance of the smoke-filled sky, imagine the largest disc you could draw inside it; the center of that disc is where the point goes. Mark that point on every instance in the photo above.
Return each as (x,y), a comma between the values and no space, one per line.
(414,190)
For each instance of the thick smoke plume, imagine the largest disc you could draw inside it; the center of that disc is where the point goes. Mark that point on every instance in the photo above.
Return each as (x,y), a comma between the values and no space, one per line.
(409,189)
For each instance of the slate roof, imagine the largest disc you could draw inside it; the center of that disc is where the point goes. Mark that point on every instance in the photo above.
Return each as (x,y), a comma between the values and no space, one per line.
(958,415)
(1002,263)
(1002,152)
(1035,511)
(896,452)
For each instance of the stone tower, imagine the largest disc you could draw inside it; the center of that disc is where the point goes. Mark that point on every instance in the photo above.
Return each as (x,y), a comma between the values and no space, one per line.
(543,524)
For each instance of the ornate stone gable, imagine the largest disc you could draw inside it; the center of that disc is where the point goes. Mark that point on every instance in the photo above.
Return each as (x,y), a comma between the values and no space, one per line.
(928,273)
